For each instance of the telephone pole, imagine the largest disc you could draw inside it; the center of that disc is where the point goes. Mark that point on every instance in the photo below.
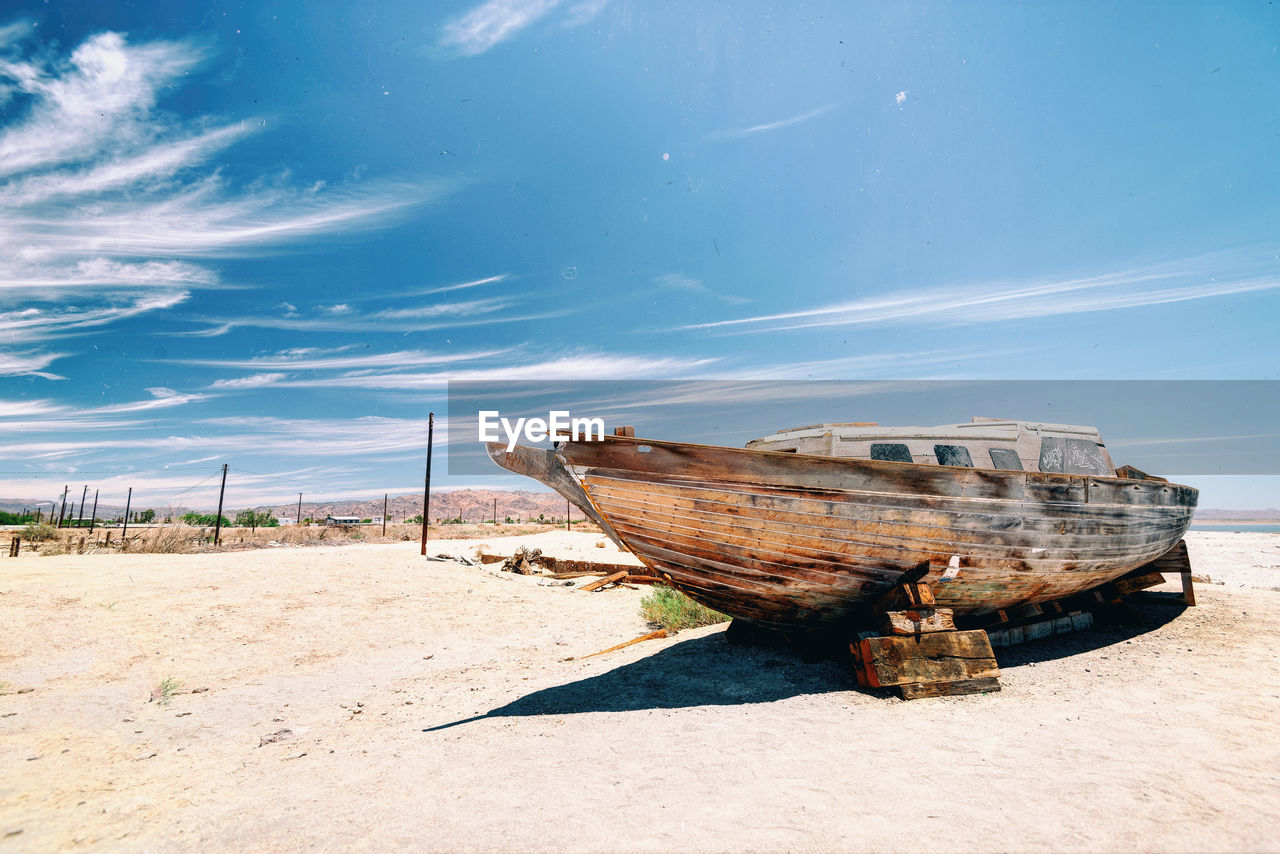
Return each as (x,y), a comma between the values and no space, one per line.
(426,490)
(127,503)
(65,489)
(384,514)
(80,521)
(217,522)
(94,515)
(299,519)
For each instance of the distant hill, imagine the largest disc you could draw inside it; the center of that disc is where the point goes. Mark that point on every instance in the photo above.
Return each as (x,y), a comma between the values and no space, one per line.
(472,505)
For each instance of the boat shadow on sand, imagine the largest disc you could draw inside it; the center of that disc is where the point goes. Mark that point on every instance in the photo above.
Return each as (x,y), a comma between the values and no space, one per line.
(709,671)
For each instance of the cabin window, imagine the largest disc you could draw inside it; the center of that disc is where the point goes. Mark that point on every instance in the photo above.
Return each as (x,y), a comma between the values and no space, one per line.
(1003,458)
(1072,456)
(1052,450)
(1085,457)
(953,455)
(890,452)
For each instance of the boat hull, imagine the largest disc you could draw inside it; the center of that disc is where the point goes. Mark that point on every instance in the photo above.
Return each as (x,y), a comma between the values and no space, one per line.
(798,540)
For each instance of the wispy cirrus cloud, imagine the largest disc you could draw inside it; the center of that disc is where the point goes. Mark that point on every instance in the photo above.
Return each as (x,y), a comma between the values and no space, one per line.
(1190,279)
(103,194)
(688,284)
(774,125)
(495,21)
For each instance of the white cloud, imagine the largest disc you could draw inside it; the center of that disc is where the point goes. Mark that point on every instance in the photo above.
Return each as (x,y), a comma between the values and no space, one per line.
(310,359)
(781,123)
(491,23)
(1189,279)
(900,97)
(18,364)
(252,381)
(105,194)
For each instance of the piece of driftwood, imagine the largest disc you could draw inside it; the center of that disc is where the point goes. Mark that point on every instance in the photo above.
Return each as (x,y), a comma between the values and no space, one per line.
(660,633)
(604,582)
(917,621)
(921,690)
(928,658)
(1043,629)
(1133,583)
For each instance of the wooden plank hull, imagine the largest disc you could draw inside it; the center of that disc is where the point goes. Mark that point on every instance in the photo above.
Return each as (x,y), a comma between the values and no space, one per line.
(796,540)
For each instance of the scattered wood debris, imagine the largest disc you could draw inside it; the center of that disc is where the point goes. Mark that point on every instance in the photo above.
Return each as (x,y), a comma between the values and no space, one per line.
(604,582)
(278,735)
(523,561)
(660,633)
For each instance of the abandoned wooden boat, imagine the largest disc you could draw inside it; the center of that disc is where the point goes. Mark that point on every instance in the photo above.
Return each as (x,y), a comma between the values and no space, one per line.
(810,525)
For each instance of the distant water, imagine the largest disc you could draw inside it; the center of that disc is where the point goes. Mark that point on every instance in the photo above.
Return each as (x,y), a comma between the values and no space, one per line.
(1228,526)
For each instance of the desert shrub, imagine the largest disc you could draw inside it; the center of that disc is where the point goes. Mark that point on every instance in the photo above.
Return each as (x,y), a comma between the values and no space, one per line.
(672,610)
(39,533)
(169,540)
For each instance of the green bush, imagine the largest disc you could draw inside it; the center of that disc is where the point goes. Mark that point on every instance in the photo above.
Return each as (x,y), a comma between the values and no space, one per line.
(672,610)
(39,533)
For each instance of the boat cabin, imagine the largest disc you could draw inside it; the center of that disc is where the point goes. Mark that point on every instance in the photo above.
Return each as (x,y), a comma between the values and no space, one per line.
(985,443)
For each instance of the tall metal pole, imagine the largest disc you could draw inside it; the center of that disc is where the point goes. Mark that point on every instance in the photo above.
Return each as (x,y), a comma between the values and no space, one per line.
(127,502)
(384,514)
(217,522)
(426,490)
(64,505)
(94,515)
(80,521)
(299,519)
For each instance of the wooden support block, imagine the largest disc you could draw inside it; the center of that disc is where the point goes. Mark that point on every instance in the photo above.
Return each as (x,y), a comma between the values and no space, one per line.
(1132,583)
(908,596)
(918,621)
(1188,591)
(1025,612)
(1174,560)
(920,690)
(608,579)
(935,657)
(627,431)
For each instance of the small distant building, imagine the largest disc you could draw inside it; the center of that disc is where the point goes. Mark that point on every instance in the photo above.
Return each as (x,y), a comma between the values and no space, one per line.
(285,520)
(376,520)
(342,520)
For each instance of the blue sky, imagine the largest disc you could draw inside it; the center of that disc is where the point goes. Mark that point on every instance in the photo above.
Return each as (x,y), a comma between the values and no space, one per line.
(268,236)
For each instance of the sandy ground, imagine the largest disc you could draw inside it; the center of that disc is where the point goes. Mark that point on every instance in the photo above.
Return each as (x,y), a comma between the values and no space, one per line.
(426,705)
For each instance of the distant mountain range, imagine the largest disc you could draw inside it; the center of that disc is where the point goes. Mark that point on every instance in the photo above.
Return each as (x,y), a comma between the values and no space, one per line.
(471,505)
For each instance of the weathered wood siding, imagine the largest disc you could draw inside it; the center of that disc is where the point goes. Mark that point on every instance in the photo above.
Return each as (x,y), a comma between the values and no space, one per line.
(792,539)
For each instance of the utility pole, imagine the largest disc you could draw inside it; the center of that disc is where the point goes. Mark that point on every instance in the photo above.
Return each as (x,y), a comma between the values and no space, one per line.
(299,519)
(566,515)
(384,514)
(217,522)
(495,511)
(94,515)
(65,489)
(426,490)
(127,502)
(80,521)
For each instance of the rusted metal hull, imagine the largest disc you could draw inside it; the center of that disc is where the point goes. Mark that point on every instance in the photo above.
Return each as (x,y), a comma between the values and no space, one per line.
(795,540)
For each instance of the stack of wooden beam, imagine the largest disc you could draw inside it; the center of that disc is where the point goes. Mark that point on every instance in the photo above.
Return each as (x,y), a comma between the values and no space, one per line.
(921,653)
